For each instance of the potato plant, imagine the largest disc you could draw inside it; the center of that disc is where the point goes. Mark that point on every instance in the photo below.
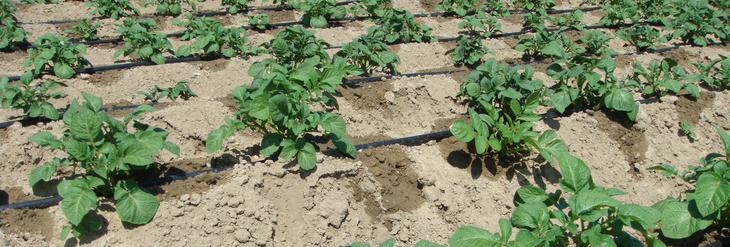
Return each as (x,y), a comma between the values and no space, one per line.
(373,8)
(619,12)
(317,13)
(58,53)
(235,6)
(259,22)
(11,35)
(7,11)
(281,104)
(102,152)
(589,82)
(457,7)
(112,8)
(470,46)
(696,22)
(181,89)
(170,7)
(706,203)
(643,37)
(715,74)
(140,40)
(295,44)
(501,102)
(596,43)
(662,77)
(581,213)
(210,37)
(370,55)
(85,30)
(30,97)
(399,26)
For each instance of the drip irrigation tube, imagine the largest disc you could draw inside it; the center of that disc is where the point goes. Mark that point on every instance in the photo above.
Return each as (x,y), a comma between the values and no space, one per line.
(49,201)
(208,13)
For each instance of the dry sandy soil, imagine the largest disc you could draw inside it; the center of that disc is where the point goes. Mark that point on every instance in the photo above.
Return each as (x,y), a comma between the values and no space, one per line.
(406,192)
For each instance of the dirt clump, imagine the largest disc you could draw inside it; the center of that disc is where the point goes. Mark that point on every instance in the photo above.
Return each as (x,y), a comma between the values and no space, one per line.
(368,96)
(632,141)
(281,16)
(689,109)
(214,65)
(106,78)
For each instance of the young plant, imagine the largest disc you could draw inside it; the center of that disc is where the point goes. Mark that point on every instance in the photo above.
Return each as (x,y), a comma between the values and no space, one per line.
(7,11)
(458,7)
(102,153)
(643,37)
(293,45)
(370,55)
(57,52)
(532,5)
(571,20)
(715,74)
(373,8)
(318,12)
(618,12)
(180,90)
(259,21)
(688,130)
(494,7)
(596,43)
(581,213)
(11,35)
(399,26)
(210,37)
(85,30)
(662,77)
(469,50)
(590,82)
(280,104)
(707,203)
(548,44)
(112,8)
(32,98)
(170,7)
(696,20)
(140,40)
(501,104)
(235,6)
(480,24)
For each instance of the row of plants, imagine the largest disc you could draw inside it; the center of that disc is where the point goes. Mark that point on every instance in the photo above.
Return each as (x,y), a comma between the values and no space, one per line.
(582,213)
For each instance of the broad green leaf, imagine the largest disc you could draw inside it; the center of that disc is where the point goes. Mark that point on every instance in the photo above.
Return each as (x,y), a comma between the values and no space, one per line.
(344,145)
(48,111)
(63,70)
(505,229)
(587,200)
(136,154)
(133,204)
(334,124)
(530,193)
(725,140)
(681,219)
(647,217)
(576,176)
(260,108)
(666,169)
(85,126)
(307,157)
(215,139)
(462,131)
(470,236)
(46,139)
(78,200)
(619,100)
(712,192)
(533,215)
(93,101)
(270,144)
(41,173)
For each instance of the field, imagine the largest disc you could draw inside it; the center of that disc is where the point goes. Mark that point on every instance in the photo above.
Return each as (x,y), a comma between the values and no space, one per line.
(407,191)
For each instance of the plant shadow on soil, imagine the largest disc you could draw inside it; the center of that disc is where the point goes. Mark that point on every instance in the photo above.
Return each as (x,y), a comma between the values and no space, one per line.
(462,155)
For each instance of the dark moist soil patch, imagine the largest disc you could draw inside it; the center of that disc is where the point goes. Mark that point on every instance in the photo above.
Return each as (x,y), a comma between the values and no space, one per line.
(632,141)
(689,109)
(429,5)
(196,184)
(625,61)
(281,16)
(368,96)
(106,78)
(214,65)
(682,56)
(391,168)
(19,221)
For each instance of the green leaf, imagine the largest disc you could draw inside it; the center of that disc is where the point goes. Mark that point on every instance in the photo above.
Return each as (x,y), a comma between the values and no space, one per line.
(134,205)
(63,71)
(344,145)
(46,139)
(588,200)
(85,126)
(725,140)
(93,101)
(712,193)
(318,22)
(41,173)
(426,243)
(158,58)
(619,100)
(48,111)
(666,169)
(462,131)
(576,176)
(530,193)
(135,153)
(505,229)
(270,144)
(307,157)
(471,236)
(334,124)
(78,200)
(260,108)
(647,217)
(215,139)
(533,215)
(681,219)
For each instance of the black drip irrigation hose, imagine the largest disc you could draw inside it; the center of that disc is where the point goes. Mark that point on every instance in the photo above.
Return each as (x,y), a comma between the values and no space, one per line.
(199,14)
(49,201)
